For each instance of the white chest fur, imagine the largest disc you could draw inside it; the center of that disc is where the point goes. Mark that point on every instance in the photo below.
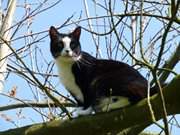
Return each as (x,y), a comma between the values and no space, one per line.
(67,78)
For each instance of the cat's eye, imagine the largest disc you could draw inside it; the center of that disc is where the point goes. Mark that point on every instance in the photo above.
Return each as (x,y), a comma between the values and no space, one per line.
(73,44)
(60,44)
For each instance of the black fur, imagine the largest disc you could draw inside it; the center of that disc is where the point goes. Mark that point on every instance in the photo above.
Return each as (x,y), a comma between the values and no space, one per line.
(99,78)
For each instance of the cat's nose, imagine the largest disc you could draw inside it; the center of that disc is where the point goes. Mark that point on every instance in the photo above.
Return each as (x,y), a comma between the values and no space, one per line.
(67,51)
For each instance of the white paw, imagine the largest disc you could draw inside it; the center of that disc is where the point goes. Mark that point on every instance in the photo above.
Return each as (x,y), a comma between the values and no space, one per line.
(81,112)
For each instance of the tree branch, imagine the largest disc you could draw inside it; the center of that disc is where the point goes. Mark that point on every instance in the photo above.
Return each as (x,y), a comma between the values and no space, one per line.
(170,64)
(32,104)
(4,50)
(112,122)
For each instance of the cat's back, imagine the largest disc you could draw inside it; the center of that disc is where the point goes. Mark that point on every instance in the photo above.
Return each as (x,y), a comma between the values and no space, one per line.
(103,66)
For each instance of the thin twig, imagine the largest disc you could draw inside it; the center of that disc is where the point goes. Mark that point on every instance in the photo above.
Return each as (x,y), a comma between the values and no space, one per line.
(42,87)
(32,104)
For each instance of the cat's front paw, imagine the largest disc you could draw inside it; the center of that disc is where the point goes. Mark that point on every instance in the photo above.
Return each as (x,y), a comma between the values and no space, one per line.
(82,112)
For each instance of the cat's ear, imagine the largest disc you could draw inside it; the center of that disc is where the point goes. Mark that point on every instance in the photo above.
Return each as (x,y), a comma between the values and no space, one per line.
(76,33)
(53,33)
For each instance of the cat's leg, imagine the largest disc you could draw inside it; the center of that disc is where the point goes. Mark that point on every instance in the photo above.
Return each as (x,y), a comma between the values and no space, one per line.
(80,111)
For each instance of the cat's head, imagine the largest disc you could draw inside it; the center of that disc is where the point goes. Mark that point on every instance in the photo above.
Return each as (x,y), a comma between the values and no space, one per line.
(66,46)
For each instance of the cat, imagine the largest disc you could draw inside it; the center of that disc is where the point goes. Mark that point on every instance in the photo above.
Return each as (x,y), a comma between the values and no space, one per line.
(98,85)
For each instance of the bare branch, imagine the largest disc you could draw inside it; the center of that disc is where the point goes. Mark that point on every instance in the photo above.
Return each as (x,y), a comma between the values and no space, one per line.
(112,122)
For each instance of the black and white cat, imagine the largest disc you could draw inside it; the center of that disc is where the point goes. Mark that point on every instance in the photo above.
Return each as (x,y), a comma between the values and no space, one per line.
(96,84)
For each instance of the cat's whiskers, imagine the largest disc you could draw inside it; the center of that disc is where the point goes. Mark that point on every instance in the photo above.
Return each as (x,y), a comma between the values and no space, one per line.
(76,57)
(85,62)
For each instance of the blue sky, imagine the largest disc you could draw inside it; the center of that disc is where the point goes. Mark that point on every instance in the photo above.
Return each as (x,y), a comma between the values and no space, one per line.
(55,16)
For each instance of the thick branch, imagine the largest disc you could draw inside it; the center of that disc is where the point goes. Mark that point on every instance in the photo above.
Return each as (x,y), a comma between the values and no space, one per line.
(170,64)
(4,32)
(111,122)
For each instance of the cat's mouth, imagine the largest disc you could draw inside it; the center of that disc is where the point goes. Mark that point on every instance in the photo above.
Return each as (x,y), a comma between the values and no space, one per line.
(67,55)
(73,56)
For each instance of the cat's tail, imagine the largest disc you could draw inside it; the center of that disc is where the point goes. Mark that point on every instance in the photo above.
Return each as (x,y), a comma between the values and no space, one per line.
(155,89)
